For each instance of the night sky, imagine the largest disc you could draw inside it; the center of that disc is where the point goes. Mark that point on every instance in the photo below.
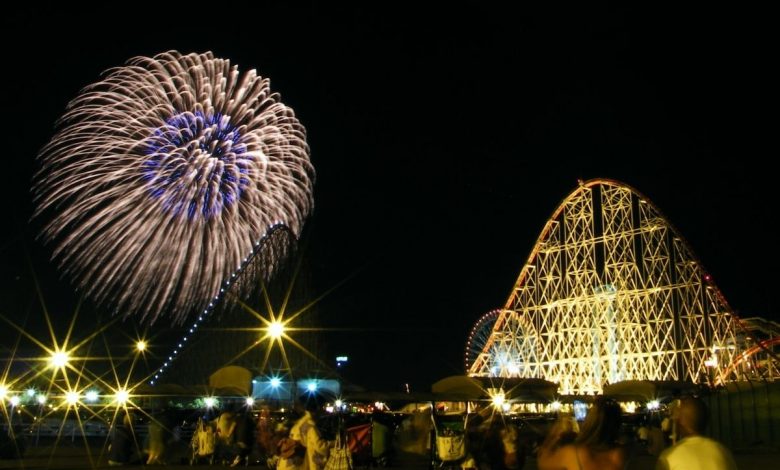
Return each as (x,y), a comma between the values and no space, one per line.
(443,141)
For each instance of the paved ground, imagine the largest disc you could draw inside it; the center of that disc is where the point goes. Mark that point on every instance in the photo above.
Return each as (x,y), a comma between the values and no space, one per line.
(67,457)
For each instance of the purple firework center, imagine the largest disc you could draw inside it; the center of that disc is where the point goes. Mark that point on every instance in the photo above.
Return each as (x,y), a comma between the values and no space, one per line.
(197,164)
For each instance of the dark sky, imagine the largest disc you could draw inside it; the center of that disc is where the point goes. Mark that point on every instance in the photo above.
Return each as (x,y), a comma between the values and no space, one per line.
(442,141)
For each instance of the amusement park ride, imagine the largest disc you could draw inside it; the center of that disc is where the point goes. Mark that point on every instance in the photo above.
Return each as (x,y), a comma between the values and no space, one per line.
(611,291)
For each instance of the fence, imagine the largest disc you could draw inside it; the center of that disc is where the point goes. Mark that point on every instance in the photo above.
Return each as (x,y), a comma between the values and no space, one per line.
(746,415)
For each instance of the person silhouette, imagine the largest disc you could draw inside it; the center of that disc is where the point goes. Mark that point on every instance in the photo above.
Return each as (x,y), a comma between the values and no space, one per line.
(693,451)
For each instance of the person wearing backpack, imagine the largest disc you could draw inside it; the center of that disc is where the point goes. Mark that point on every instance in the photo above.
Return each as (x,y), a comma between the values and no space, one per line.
(305,449)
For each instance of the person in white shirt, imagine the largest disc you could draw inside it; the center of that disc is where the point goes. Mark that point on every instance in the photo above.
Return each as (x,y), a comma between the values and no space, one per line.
(694,451)
(305,432)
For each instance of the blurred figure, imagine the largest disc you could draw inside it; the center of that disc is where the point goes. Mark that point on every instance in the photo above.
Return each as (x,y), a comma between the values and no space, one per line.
(501,447)
(226,426)
(669,424)
(694,451)
(514,452)
(643,432)
(380,441)
(159,434)
(306,434)
(563,432)
(414,434)
(265,432)
(596,446)
(656,440)
(273,443)
(122,450)
(245,437)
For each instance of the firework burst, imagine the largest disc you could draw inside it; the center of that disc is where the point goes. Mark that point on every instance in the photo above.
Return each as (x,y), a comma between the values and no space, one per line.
(163,177)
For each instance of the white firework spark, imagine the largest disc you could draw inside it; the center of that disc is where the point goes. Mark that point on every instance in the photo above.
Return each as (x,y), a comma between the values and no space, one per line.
(163,176)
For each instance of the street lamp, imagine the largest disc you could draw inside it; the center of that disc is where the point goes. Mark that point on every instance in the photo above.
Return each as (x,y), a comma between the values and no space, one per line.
(72,397)
(121,396)
(275,330)
(59,359)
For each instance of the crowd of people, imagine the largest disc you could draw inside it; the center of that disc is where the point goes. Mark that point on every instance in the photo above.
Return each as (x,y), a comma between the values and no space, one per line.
(233,437)
(598,444)
(489,440)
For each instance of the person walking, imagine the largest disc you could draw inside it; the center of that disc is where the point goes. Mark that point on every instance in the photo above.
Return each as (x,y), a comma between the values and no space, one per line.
(159,435)
(312,450)
(123,447)
(596,447)
(245,437)
(693,451)
(226,426)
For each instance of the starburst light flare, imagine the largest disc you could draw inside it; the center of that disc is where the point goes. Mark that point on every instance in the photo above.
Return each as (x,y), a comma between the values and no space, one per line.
(164,176)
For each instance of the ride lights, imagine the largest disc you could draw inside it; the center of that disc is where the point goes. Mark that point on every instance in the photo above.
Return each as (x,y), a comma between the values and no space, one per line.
(653,405)
(498,399)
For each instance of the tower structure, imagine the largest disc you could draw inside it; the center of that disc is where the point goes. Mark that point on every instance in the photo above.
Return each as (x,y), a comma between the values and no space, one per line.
(611,291)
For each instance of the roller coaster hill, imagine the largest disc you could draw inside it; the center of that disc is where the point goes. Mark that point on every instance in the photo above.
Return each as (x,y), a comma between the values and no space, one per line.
(613,294)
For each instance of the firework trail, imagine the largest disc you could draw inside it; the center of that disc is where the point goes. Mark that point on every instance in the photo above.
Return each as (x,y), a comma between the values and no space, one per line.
(163,177)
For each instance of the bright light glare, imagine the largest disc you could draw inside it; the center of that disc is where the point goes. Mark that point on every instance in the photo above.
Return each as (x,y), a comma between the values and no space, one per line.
(41,399)
(250,401)
(72,397)
(556,405)
(275,330)
(653,405)
(91,396)
(312,387)
(30,392)
(210,402)
(498,400)
(59,359)
(140,346)
(15,400)
(275,382)
(3,392)
(121,396)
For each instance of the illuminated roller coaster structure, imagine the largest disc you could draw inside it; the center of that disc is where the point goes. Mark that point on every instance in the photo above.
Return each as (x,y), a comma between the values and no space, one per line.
(610,292)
